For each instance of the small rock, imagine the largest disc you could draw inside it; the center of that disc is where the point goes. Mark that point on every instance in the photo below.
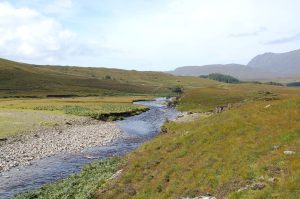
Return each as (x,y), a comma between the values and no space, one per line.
(258,186)
(243,188)
(289,152)
(90,157)
(268,106)
(130,190)
(275,147)
(116,175)
(272,180)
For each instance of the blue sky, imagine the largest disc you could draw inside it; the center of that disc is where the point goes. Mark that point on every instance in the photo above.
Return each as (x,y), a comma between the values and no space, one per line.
(146,34)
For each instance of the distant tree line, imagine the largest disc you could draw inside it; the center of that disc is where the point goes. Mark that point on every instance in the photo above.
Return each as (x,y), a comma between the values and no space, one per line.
(294,84)
(221,78)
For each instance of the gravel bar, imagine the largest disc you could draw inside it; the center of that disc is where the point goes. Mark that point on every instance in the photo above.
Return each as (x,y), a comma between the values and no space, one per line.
(72,137)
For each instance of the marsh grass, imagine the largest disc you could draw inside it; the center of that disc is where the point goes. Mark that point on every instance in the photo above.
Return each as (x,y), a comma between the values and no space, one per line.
(80,186)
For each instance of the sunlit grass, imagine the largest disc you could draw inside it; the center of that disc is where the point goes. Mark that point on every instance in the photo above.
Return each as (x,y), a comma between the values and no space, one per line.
(222,153)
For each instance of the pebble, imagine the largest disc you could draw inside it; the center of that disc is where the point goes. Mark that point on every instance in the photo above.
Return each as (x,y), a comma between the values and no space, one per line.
(45,142)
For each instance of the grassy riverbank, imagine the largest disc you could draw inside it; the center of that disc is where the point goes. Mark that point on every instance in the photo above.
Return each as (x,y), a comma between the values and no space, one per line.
(81,185)
(18,115)
(249,151)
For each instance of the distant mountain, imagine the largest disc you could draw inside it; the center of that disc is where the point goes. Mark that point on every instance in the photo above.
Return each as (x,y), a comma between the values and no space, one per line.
(265,66)
(286,64)
(239,71)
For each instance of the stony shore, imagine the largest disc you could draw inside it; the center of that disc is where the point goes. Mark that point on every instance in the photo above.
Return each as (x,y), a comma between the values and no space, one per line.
(73,136)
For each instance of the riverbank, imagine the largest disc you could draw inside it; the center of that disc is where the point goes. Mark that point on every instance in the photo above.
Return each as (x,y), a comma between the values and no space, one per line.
(71,137)
(137,130)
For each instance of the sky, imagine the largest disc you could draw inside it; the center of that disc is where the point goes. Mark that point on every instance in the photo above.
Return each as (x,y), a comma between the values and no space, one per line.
(146,34)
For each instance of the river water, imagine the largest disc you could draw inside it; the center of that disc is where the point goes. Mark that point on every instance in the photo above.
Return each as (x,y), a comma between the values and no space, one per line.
(137,129)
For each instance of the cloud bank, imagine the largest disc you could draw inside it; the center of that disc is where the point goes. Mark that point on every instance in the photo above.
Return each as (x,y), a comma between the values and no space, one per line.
(146,35)
(28,35)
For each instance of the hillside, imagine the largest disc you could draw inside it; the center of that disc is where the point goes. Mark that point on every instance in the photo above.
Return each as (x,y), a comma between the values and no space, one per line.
(287,64)
(19,79)
(236,70)
(248,151)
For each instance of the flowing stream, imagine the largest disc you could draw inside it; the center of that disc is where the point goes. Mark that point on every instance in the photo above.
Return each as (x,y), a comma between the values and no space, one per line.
(137,129)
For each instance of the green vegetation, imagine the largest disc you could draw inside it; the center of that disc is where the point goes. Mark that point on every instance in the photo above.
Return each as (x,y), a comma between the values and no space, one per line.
(221,78)
(25,80)
(219,154)
(19,115)
(80,186)
(222,153)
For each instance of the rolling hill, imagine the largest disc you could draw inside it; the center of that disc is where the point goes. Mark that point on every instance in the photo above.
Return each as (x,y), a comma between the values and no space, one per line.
(26,80)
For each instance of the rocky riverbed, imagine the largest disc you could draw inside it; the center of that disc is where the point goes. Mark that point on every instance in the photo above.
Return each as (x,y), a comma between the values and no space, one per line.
(73,136)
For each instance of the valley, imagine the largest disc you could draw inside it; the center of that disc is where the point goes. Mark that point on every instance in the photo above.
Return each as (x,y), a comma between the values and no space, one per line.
(236,140)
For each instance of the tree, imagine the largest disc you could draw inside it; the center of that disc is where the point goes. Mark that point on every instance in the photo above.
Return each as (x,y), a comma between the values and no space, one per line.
(223,78)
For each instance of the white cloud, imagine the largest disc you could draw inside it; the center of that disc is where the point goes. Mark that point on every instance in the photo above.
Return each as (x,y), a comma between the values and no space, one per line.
(27,35)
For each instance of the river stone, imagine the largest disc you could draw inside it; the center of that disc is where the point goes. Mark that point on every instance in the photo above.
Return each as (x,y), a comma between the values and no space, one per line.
(289,152)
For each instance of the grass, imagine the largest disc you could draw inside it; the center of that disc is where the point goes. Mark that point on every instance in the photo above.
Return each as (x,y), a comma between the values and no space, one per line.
(222,153)
(25,80)
(206,99)
(19,115)
(80,186)
(15,122)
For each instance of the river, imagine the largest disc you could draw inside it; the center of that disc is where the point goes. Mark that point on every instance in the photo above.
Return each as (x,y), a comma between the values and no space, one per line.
(137,129)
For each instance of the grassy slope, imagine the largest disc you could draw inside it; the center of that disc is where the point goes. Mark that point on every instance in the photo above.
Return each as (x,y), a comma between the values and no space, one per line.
(222,153)
(18,79)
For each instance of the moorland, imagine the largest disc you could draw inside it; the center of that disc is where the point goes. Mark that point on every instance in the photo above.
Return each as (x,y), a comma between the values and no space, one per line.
(246,147)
